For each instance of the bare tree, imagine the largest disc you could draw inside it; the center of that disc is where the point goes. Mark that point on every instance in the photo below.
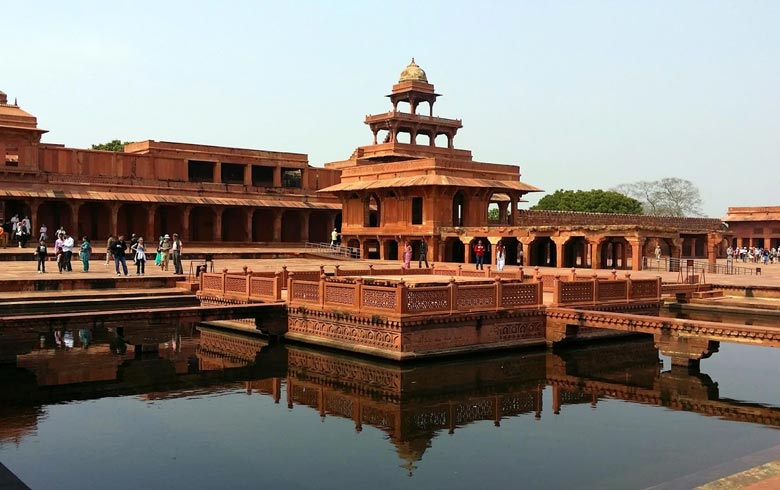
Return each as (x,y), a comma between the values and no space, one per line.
(671,196)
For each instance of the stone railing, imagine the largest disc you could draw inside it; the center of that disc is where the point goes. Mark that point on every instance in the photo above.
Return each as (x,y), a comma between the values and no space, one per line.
(576,290)
(572,218)
(246,286)
(435,270)
(397,298)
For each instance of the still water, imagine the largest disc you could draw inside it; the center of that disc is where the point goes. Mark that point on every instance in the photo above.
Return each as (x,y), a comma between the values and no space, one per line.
(217,410)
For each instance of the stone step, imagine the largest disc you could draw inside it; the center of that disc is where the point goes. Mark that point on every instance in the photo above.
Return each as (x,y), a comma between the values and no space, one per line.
(87,304)
(25,296)
(712,293)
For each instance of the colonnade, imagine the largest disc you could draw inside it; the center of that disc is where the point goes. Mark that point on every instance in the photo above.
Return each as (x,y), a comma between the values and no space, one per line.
(580,251)
(199,223)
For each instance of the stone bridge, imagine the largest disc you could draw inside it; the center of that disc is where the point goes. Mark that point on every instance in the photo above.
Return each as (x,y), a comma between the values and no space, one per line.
(685,341)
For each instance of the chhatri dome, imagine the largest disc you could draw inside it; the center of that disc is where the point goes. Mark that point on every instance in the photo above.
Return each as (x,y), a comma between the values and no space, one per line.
(413,73)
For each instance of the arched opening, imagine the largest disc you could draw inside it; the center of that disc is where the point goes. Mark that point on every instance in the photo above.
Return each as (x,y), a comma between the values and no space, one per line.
(391,250)
(649,249)
(94,219)
(695,246)
(372,212)
(542,252)
(17,208)
(167,220)
(459,209)
(202,224)
(234,225)
(354,245)
(454,250)
(132,218)
(370,249)
(263,225)
(498,209)
(383,136)
(488,255)
(319,227)
(423,138)
(337,222)
(440,141)
(53,214)
(510,250)
(575,252)
(403,137)
(615,252)
(291,226)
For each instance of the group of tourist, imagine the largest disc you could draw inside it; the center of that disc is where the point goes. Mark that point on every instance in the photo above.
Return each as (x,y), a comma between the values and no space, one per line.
(753,254)
(15,230)
(479,254)
(116,250)
(63,252)
(167,249)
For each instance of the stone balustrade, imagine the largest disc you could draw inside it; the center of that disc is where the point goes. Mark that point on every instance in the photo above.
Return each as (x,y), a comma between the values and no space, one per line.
(241,287)
(574,290)
(397,298)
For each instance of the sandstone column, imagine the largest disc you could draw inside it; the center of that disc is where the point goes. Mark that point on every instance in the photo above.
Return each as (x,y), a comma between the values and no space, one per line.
(218,224)
(185,223)
(277,225)
(305,214)
(248,222)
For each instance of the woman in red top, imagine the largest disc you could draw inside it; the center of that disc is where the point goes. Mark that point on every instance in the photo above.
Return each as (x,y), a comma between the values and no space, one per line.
(479,252)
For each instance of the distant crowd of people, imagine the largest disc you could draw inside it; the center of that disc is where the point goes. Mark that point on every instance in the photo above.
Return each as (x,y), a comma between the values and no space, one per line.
(753,254)
(169,249)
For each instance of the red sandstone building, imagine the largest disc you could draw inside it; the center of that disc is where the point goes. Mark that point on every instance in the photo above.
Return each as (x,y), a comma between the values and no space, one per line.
(411,183)
(204,193)
(405,186)
(755,226)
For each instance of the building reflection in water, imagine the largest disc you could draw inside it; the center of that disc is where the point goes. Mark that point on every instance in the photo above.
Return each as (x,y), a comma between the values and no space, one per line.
(412,404)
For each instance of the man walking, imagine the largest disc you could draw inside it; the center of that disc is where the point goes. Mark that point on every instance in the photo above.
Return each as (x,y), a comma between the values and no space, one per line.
(423,255)
(118,251)
(176,248)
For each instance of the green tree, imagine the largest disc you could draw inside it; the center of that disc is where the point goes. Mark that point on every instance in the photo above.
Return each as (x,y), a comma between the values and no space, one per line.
(593,201)
(113,145)
(671,196)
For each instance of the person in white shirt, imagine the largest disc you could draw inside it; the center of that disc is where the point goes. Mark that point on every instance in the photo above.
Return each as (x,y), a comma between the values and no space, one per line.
(67,251)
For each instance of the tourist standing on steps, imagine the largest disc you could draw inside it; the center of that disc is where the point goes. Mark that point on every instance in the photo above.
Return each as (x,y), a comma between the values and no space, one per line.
(165,252)
(500,256)
(423,255)
(334,238)
(479,253)
(176,248)
(109,248)
(42,233)
(118,250)
(84,253)
(67,251)
(140,256)
(40,254)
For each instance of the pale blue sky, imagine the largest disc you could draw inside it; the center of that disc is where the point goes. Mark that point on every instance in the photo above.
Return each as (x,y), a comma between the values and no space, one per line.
(580,95)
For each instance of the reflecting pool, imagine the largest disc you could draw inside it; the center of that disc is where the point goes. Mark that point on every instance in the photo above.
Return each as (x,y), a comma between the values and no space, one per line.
(210,409)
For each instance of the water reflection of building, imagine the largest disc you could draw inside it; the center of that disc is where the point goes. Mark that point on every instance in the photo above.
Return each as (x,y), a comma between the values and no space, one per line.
(412,404)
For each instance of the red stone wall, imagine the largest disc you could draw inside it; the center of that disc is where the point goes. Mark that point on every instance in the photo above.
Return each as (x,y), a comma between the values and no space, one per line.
(570,218)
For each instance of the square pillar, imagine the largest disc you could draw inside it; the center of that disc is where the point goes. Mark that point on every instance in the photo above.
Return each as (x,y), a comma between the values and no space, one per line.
(218,225)
(277,176)
(305,225)
(277,225)
(248,175)
(185,224)
(217,172)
